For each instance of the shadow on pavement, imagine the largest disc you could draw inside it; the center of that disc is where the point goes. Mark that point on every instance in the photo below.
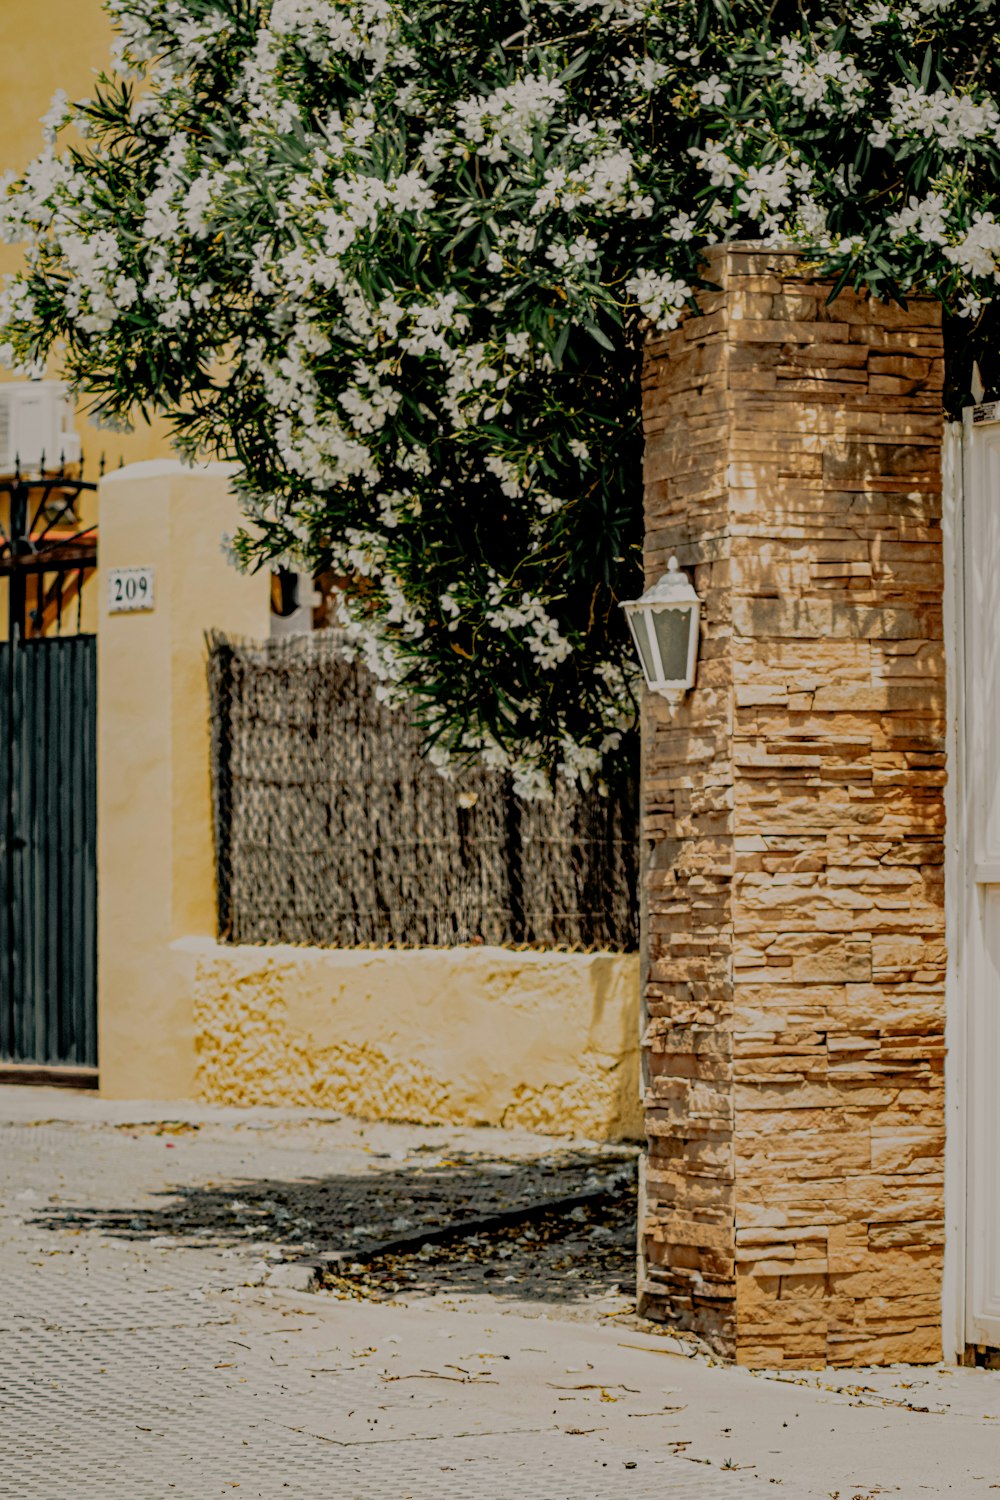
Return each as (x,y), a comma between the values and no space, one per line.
(551,1253)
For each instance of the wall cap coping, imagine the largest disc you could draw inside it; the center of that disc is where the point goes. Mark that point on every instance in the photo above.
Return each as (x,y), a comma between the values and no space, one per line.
(169,468)
(481,955)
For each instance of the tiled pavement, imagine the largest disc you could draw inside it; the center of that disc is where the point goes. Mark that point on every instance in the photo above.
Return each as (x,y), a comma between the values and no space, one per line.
(146,1370)
(146,1367)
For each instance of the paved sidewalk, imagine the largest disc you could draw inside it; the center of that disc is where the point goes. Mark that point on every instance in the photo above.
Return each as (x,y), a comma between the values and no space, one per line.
(145,1363)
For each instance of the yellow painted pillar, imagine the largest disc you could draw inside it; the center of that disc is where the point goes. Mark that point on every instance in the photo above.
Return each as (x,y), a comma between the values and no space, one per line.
(155,858)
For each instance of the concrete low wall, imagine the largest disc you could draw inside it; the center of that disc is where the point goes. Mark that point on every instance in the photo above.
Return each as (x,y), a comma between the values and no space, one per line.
(544,1041)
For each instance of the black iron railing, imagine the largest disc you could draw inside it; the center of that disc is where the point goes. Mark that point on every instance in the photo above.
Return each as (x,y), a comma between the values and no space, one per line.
(46,552)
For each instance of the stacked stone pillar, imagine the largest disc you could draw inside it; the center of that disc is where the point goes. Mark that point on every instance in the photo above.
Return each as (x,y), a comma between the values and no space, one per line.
(793,825)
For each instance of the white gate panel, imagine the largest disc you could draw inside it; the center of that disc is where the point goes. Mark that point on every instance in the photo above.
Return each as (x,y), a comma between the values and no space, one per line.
(980,963)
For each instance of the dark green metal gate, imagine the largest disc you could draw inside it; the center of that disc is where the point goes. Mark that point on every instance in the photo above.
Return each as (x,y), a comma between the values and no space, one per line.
(48,783)
(48,868)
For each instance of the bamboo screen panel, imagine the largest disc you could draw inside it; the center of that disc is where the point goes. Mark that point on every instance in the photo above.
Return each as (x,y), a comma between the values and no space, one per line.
(332,830)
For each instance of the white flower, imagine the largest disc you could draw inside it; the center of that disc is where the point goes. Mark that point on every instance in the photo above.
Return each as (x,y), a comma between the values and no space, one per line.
(927,217)
(603,182)
(409,193)
(510,115)
(549,193)
(661,298)
(201,296)
(197,202)
(125,292)
(582,250)
(977,253)
(510,479)
(56,115)
(526,613)
(646,75)
(764,189)
(713,159)
(954,119)
(432,148)
(369,403)
(712,91)
(970,306)
(829,82)
(518,345)
(450,604)
(321,29)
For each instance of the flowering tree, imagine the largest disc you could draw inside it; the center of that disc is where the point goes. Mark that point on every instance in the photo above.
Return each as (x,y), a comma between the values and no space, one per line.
(395,258)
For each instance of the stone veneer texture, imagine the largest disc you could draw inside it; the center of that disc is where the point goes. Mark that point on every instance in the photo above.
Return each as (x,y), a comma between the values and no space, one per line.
(794,822)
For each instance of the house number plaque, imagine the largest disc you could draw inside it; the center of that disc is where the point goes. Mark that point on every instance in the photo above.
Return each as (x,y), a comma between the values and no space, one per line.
(130,589)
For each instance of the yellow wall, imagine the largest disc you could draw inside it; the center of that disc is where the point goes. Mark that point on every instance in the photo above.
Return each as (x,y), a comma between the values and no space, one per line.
(471,1036)
(545,1041)
(46,45)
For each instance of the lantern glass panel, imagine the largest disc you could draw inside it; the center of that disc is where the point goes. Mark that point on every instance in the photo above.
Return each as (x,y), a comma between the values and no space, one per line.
(673,628)
(637,624)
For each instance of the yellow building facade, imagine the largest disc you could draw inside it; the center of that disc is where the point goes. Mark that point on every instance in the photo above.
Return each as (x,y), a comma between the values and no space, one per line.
(50,45)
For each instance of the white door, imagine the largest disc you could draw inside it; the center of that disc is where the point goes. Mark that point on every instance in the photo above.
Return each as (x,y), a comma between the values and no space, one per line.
(980,961)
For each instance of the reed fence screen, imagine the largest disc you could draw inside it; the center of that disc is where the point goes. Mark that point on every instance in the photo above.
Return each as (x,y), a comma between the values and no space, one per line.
(332,830)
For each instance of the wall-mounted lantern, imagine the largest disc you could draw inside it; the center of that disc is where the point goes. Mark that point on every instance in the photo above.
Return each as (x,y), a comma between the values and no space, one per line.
(664,625)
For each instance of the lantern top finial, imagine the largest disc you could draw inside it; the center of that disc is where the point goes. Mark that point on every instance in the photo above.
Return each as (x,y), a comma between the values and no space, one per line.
(672,588)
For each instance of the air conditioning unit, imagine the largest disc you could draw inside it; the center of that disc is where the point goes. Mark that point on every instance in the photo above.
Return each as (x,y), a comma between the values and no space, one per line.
(36,425)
